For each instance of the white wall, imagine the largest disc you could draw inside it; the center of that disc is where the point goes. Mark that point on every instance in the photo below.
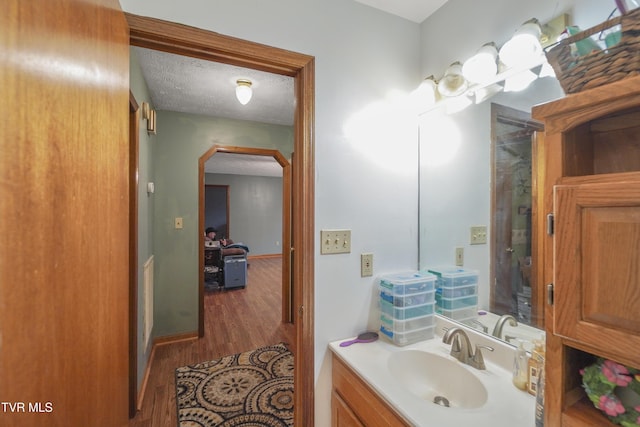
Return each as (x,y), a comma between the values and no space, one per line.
(365,146)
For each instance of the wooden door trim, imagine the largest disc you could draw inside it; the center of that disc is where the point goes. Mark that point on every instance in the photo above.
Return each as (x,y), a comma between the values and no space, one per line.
(134,120)
(190,41)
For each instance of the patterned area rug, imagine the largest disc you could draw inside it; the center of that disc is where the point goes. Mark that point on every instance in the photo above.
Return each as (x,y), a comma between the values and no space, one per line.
(254,388)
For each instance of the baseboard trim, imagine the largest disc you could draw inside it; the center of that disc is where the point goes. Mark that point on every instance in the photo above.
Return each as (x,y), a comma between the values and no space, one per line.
(170,339)
(157,342)
(264,256)
(145,379)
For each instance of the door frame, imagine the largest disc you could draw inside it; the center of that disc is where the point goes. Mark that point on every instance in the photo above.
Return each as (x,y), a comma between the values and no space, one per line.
(286,224)
(134,144)
(189,41)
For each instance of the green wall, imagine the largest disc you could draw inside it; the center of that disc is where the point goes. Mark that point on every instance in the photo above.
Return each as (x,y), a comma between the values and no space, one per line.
(181,140)
(255,211)
(145,205)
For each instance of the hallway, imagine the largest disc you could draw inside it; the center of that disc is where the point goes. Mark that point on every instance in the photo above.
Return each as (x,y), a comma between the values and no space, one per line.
(235,321)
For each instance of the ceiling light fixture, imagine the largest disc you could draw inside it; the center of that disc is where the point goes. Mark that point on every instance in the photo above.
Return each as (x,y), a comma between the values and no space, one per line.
(243,91)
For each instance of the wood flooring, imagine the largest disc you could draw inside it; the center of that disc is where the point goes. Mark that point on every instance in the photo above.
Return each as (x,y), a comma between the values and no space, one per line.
(236,320)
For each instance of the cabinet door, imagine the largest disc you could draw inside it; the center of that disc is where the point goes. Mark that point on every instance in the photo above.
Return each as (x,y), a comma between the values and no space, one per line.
(597,265)
(341,414)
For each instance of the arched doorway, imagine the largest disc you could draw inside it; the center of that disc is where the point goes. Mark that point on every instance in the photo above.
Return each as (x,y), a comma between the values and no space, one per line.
(287,315)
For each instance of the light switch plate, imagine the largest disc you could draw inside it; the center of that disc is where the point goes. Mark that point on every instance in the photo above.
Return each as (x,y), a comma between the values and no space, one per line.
(178,223)
(335,241)
(478,235)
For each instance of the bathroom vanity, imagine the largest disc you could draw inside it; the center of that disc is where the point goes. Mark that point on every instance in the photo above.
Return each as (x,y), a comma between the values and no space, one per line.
(589,180)
(381,384)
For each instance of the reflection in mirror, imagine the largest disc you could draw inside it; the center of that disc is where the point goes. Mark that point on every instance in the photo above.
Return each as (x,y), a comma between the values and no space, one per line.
(512,134)
(457,176)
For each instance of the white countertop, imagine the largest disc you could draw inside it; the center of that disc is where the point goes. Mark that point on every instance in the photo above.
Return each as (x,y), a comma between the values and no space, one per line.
(506,405)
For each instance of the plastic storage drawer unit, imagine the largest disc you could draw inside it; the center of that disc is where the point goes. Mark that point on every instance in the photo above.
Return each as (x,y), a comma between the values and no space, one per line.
(456,303)
(406,338)
(458,292)
(403,313)
(453,277)
(407,300)
(411,282)
(459,314)
(395,325)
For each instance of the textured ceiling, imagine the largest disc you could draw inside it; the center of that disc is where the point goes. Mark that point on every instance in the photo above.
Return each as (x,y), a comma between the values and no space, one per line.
(195,86)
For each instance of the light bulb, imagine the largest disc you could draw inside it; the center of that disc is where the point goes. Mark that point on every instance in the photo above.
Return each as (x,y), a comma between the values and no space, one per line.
(243,91)
(482,66)
(524,47)
(453,83)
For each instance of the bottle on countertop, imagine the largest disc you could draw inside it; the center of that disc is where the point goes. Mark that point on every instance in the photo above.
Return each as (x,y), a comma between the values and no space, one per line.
(520,363)
(535,365)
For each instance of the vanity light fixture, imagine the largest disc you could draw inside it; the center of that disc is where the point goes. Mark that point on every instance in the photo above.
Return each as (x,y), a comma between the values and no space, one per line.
(243,91)
(482,66)
(492,70)
(483,93)
(453,82)
(524,47)
(427,93)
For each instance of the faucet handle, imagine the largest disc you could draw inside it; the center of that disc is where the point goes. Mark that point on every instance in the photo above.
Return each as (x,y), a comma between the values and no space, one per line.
(456,348)
(477,361)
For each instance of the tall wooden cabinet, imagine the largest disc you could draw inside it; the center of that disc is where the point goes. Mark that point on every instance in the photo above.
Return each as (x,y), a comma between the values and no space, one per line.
(589,251)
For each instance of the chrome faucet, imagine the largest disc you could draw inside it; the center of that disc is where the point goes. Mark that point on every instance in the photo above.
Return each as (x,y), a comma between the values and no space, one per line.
(497,330)
(461,348)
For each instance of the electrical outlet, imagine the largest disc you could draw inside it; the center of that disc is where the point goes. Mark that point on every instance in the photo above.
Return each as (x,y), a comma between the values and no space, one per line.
(335,242)
(366,265)
(460,257)
(478,235)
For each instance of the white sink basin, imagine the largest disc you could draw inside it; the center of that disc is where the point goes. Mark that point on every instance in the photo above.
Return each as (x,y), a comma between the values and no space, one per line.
(432,377)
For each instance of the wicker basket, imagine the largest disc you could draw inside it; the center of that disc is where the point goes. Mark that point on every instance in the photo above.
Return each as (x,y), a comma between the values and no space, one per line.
(600,67)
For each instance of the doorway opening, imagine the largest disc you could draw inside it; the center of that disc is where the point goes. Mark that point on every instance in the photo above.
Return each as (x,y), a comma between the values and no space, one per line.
(286,235)
(179,39)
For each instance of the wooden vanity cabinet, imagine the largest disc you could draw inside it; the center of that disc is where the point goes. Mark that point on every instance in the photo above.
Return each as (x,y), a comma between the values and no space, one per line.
(588,177)
(355,404)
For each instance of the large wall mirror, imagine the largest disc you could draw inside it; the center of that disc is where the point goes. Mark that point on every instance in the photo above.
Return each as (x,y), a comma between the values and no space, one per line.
(476,170)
